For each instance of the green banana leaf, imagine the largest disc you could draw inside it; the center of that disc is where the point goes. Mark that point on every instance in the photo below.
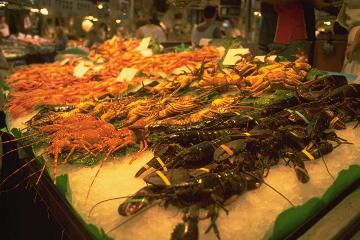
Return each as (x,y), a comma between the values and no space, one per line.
(294,217)
(63,186)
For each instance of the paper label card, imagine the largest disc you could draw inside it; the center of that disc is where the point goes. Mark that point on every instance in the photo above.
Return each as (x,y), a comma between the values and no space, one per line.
(127,74)
(233,55)
(80,70)
(65,61)
(205,42)
(262,58)
(98,68)
(147,52)
(144,44)
(182,70)
(221,50)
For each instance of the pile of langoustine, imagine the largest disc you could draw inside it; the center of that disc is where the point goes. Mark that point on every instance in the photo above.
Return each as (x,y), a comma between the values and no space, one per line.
(54,84)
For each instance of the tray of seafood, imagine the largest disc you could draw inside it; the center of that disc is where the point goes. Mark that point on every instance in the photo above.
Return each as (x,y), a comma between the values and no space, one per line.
(187,148)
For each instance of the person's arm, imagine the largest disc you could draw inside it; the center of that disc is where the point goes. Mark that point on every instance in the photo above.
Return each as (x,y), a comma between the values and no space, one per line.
(3,63)
(138,34)
(217,33)
(354,45)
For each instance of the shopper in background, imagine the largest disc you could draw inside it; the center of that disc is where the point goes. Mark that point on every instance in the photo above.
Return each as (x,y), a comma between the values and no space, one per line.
(96,37)
(295,21)
(151,29)
(349,18)
(207,29)
(4,28)
(267,27)
(61,39)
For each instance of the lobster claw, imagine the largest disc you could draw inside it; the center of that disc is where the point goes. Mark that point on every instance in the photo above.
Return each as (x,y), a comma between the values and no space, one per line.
(161,160)
(134,204)
(302,174)
(186,231)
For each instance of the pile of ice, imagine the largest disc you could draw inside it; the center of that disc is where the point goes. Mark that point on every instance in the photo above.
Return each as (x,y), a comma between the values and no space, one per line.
(251,216)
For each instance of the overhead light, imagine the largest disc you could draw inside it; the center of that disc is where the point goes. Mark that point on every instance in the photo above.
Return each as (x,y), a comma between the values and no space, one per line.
(258,14)
(118,21)
(44,11)
(327,23)
(34,10)
(87,25)
(3,4)
(100,6)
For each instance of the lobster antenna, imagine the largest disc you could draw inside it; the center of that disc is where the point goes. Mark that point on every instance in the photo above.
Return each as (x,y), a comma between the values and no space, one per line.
(278,192)
(97,173)
(106,200)
(16,139)
(18,170)
(28,177)
(131,218)
(326,167)
(22,147)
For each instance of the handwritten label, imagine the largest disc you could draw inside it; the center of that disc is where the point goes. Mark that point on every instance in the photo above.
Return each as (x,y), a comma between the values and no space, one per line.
(80,70)
(233,55)
(262,58)
(127,74)
(144,44)
(205,42)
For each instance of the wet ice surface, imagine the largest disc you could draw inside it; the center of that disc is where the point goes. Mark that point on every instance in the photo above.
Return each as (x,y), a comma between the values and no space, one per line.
(251,216)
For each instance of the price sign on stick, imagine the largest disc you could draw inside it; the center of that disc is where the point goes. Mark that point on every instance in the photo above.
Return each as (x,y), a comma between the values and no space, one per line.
(80,70)
(233,55)
(127,74)
(144,44)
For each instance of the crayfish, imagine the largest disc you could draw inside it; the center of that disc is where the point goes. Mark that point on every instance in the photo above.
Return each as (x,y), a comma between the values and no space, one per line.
(86,134)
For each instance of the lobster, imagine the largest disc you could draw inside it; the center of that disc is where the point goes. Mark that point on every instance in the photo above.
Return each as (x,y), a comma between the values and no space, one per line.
(209,191)
(195,156)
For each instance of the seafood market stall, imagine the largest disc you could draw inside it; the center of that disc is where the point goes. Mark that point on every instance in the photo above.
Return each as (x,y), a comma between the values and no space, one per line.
(199,144)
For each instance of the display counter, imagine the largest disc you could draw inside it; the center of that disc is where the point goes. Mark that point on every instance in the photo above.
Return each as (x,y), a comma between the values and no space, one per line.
(261,149)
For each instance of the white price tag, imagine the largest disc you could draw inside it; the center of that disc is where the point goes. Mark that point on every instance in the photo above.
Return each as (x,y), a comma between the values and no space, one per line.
(97,68)
(80,70)
(127,74)
(205,42)
(262,58)
(163,75)
(65,61)
(233,55)
(182,70)
(221,50)
(144,44)
(147,52)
